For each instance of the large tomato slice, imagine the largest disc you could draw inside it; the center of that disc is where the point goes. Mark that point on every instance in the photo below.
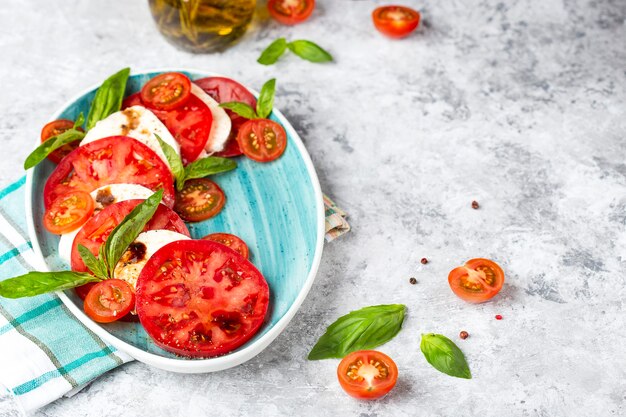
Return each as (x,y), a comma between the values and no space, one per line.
(55,128)
(477,281)
(367,374)
(114,160)
(200,298)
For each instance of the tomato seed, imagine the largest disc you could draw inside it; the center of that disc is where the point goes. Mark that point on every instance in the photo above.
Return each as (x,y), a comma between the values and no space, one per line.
(413,281)
(475,205)
(424,261)
(498,316)
(464,335)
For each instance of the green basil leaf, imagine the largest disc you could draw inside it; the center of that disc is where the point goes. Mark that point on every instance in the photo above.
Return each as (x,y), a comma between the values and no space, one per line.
(265,103)
(271,54)
(366,328)
(108,98)
(208,166)
(444,355)
(242,109)
(51,145)
(310,51)
(36,283)
(176,164)
(127,231)
(94,264)
(80,120)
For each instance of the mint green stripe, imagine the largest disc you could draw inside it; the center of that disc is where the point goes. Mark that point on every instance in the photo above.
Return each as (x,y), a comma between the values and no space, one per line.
(31,314)
(15,251)
(9,189)
(39,381)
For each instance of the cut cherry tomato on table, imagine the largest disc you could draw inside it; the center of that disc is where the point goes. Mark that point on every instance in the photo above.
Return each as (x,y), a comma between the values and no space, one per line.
(262,140)
(477,281)
(109,300)
(291,12)
(166,91)
(232,241)
(367,374)
(199,200)
(200,298)
(68,212)
(395,21)
(55,128)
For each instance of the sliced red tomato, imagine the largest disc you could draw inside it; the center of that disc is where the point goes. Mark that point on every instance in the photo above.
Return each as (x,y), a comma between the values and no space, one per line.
(68,212)
(262,140)
(55,128)
(166,91)
(395,21)
(223,90)
(232,241)
(109,300)
(367,374)
(114,160)
(477,281)
(133,100)
(199,200)
(291,12)
(199,298)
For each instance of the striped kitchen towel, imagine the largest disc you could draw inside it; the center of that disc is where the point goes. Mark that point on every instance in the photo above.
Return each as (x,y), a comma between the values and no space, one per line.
(40,359)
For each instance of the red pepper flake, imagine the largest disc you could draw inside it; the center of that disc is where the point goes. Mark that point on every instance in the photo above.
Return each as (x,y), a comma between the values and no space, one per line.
(424,261)
(464,335)
(498,316)
(475,205)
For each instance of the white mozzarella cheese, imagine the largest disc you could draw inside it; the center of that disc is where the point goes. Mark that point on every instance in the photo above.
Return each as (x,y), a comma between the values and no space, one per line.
(142,249)
(138,123)
(221,125)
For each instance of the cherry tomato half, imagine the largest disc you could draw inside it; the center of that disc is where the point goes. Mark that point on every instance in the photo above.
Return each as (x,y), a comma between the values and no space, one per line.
(367,374)
(109,300)
(68,212)
(262,140)
(199,200)
(234,242)
(291,12)
(477,281)
(395,21)
(55,128)
(166,91)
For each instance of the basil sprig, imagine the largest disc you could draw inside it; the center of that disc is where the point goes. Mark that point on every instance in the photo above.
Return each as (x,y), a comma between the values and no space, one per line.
(55,142)
(264,104)
(444,355)
(108,98)
(36,283)
(303,48)
(200,168)
(366,328)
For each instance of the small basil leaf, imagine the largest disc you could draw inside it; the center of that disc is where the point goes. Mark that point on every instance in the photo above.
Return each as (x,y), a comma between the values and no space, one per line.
(127,231)
(108,98)
(444,355)
(242,109)
(94,264)
(366,328)
(274,51)
(51,145)
(80,120)
(36,283)
(208,166)
(265,102)
(176,164)
(310,51)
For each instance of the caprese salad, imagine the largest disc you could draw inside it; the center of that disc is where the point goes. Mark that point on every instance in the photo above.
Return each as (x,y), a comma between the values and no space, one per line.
(126,181)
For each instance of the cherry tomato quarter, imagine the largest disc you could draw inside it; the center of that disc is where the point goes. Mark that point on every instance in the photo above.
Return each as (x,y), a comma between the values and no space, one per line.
(234,242)
(68,212)
(109,300)
(55,128)
(367,374)
(262,140)
(290,12)
(166,91)
(396,21)
(200,199)
(477,281)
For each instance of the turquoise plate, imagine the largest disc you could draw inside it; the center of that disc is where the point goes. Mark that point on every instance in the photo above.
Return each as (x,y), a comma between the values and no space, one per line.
(277,208)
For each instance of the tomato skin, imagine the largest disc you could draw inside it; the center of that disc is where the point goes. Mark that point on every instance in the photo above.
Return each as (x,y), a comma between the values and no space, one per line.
(262,140)
(290,12)
(109,300)
(383,377)
(166,91)
(234,242)
(396,21)
(477,281)
(68,212)
(54,128)
(200,199)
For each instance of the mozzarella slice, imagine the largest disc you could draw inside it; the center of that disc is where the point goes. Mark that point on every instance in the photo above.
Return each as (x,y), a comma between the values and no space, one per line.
(147,243)
(138,123)
(221,125)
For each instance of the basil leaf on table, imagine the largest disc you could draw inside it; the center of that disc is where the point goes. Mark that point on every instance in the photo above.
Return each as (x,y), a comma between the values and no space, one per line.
(274,51)
(52,144)
(36,283)
(208,166)
(242,109)
(95,265)
(176,164)
(127,231)
(444,355)
(310,51)
(108,98)
(265,103)
(366,328)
